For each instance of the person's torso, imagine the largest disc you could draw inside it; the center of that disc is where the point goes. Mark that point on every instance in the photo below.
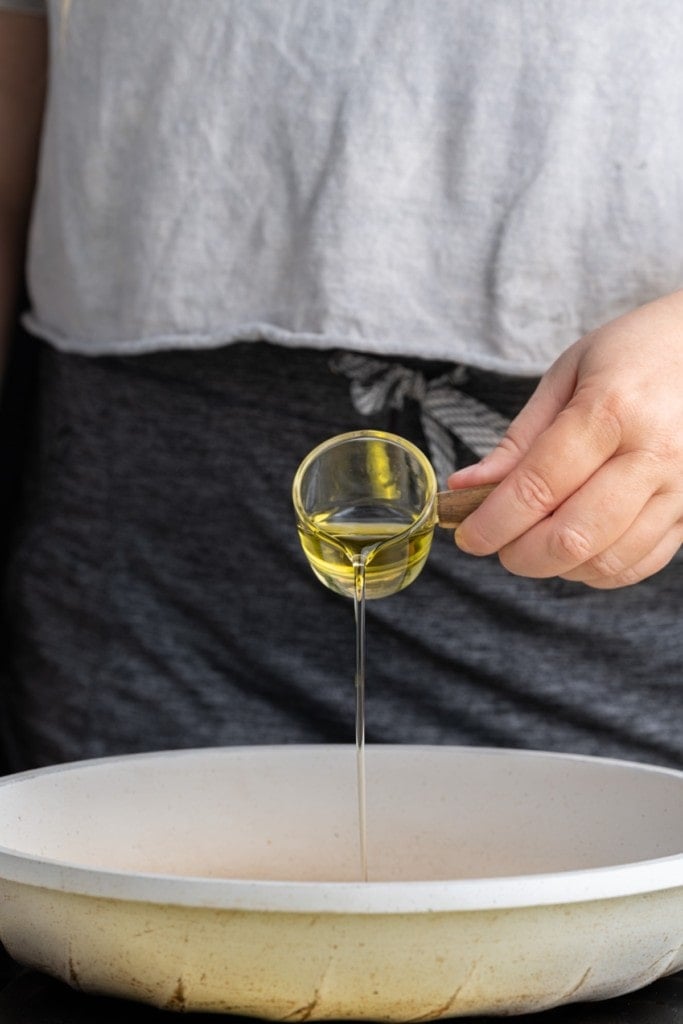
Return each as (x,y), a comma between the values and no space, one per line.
(454,179)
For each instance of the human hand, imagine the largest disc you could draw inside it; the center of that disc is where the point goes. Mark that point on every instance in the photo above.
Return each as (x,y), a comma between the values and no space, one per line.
(591,471)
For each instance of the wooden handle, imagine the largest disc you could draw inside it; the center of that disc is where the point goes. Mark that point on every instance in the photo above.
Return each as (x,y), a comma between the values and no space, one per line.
(454,506)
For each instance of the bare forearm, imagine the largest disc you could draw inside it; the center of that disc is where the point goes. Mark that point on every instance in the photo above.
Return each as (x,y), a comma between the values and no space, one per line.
(12,249)
(23,65)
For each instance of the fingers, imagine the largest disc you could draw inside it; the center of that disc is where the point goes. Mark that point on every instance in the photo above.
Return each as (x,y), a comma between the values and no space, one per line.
(588,523)
(583,437)
(552,394)
(642,550)
(591,514)
(610,558)
(655,560)
(590,475)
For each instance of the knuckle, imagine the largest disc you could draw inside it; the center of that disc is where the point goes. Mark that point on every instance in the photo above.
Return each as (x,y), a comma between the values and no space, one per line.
(509,444)
(628,576)
(533,492)
(607,572)
(610,414)
(570,545)
(664,451)
(607,565)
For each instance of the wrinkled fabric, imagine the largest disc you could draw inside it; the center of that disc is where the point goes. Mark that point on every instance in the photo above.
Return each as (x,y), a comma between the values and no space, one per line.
(478,181)
(158,595)
(447,413)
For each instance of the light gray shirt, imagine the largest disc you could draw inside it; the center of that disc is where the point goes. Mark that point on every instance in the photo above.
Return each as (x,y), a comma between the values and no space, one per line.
(481,181)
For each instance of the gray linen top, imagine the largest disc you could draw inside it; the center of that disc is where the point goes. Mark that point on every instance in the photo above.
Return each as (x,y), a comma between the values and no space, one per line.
(474,180)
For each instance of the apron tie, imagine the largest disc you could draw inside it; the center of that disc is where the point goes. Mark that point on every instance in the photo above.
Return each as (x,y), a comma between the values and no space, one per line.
(446,412)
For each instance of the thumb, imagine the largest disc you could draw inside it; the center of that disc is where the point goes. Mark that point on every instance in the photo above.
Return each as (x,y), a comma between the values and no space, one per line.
(554,390)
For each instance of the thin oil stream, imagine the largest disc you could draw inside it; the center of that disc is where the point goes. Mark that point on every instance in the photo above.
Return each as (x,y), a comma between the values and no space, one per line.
(359,565)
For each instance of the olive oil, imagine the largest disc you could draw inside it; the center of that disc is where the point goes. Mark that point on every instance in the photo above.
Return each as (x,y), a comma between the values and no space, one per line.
(359,566)
(333,541)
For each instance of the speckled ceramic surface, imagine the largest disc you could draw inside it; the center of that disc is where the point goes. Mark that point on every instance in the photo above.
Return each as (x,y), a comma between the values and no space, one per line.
(501,882)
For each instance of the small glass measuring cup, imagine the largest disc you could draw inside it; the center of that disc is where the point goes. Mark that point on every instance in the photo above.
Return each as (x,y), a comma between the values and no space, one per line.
(366,498)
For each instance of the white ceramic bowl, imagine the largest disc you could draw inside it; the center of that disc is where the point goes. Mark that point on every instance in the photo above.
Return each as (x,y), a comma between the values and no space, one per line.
(228,879)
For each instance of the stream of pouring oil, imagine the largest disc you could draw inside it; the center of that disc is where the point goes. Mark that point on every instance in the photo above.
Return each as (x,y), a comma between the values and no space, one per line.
(367,549)
(359,612)
(374,554)
(372,547)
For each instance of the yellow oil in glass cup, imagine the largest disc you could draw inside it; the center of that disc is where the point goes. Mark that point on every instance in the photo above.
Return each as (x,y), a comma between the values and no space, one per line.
(365,499)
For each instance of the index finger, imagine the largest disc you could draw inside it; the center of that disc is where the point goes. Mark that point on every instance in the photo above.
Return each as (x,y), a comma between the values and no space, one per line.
(561,459)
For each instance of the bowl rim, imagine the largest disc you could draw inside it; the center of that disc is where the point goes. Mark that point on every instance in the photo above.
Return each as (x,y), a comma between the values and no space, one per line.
(358,897)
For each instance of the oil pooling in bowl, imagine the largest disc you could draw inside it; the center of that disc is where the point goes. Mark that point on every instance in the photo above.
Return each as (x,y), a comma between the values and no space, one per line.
(365,515)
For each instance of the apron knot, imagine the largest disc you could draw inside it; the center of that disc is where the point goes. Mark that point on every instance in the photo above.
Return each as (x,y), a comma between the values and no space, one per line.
(446,412)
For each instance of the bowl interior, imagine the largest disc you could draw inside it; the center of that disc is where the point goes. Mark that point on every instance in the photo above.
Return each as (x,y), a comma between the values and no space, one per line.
(290,813)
